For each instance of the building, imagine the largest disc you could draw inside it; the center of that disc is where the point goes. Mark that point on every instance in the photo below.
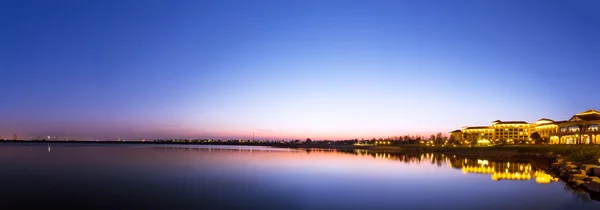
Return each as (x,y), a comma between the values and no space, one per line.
(511,131)
(475,134)
(544,127)
(456,135)
(581,128)
(15,137)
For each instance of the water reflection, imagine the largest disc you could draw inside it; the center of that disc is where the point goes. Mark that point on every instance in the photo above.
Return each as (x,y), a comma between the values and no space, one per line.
(222,148)
(208,177)
(435,159)
(506,170)
(498,170)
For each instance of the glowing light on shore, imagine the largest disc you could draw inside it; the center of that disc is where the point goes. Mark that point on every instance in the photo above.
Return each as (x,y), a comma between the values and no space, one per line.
(482,162)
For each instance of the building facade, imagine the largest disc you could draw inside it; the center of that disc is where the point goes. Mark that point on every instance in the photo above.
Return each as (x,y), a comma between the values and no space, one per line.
(581,128)
(511,131)
(456,135)
(475,134)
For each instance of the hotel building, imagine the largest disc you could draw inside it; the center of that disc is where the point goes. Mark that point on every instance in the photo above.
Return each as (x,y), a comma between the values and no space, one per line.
(581,128)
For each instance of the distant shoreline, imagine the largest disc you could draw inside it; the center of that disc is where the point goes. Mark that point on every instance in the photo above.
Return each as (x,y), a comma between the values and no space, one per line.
(577,153)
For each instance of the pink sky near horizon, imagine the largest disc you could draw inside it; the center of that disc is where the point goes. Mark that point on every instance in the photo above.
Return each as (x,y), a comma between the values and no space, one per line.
(106,132)
(323,127)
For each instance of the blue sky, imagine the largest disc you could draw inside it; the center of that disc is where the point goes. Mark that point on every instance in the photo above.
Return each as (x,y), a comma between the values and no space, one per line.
(291,69)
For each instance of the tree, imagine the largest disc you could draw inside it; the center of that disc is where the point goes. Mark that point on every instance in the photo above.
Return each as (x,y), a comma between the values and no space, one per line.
(308,141)
(439,137)
(453,140)
(432,138)
(536,138)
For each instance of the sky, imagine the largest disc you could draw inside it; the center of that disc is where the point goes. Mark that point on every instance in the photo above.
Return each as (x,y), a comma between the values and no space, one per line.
(326,69)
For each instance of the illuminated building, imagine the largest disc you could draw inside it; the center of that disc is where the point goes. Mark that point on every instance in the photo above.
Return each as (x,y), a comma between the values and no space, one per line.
(582,128)
(511,131)
(475,133)
(456,135)
(544,127)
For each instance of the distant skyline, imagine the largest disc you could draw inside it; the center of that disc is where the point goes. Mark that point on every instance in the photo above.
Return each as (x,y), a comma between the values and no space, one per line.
(333,69)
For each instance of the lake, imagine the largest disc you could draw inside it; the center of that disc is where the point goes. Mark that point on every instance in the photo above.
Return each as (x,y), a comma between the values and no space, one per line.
(121,176)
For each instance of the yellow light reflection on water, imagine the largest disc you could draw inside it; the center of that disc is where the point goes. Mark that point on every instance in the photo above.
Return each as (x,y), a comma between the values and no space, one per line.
(543,178)
(504,171)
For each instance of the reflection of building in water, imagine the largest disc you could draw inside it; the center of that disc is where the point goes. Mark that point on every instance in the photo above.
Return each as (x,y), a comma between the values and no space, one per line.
(497,170)
(544,178)
(504,170)
(515,171)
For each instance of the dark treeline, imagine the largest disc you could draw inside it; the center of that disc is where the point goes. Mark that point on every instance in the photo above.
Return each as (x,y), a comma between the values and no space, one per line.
(390,140)
(439,138)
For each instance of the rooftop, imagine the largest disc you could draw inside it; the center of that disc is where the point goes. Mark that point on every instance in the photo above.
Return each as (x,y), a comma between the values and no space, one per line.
(477,127)
(588,115)
(588,112)
(585,117)
(545,119)
(549,123)
(512,122)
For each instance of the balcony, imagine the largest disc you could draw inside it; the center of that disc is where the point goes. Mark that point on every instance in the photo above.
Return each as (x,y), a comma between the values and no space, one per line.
(568,132)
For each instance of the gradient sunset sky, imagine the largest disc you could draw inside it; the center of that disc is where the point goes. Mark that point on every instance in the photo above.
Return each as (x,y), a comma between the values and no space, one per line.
(326,69)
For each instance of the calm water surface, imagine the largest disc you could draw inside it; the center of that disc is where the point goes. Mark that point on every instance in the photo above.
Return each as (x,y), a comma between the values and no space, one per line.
(89,176)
